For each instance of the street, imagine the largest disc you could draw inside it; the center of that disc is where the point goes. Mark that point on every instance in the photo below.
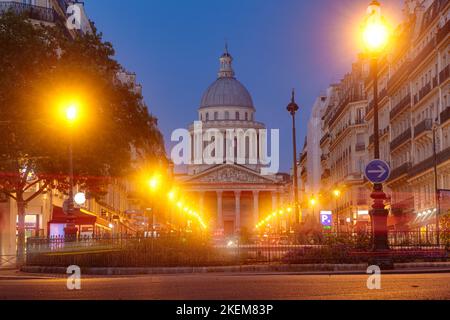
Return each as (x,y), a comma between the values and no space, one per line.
(230,287)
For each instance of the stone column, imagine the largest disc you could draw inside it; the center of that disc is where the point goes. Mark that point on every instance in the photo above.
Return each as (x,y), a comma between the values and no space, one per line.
(255,207)
(219,210)
(202,202)
(237,197)
(274,200)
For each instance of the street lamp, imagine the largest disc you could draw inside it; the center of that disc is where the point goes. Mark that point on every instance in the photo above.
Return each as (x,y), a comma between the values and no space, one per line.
(313,202)
(375,37)
(337,194)
(436,184)
(71,113)
(292,108)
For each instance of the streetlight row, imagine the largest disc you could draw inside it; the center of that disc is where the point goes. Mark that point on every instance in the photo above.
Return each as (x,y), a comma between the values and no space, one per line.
(273,215)
(176,199)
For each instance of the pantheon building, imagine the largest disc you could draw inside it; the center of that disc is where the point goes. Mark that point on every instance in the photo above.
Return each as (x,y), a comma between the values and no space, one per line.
(232,196)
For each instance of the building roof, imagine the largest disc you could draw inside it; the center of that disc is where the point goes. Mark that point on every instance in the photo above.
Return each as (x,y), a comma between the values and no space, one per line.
(226,91)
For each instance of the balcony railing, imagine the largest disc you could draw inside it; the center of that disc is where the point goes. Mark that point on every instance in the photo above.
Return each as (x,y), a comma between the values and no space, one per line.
(425,125)
(424,91)
(444,74)
(402,71)
(425,52)
(402,105)
(324,138)
(30,11)
(360,147)
(428,163)
(445,115)
(401,139)
(443,32)
(400,171)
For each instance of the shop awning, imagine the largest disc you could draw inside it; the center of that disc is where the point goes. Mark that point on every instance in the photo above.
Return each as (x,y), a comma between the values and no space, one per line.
(81,218)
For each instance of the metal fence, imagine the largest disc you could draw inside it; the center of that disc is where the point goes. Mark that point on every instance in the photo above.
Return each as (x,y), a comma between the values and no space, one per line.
(169,251)
(7,261)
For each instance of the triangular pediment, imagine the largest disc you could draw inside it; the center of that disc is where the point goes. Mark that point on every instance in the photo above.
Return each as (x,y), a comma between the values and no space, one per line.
(229,173)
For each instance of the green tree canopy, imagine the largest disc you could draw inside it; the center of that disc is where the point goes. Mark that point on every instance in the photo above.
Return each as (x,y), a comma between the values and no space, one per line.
(43,69)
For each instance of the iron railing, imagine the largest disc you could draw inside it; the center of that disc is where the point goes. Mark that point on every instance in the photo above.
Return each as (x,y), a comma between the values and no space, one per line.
(424,126)
(30,11)
(184,251)
(402,138)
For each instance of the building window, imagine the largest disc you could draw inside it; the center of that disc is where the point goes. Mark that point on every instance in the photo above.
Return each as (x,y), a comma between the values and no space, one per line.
(216,116)
(246,116)
(207,116)
(237,116)
(227,115)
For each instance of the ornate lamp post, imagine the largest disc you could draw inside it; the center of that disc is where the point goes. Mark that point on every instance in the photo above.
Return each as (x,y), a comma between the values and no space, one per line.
(71,230)
(337,194)
(292,108)
(375,38)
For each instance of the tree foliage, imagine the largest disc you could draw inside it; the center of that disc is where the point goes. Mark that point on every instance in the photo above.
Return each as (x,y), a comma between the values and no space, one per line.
(41,69)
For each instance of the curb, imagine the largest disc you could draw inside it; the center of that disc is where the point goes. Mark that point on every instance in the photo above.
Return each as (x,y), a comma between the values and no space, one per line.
(311,268)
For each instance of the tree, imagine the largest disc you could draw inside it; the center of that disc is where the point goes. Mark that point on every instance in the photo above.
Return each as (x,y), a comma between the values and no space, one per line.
(41,69)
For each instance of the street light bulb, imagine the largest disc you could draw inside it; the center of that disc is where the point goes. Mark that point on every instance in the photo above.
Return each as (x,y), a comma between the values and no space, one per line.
(337,193)
(375,36)
(171,195)
(313,202)
(154,182)
(80,198)
(71,113)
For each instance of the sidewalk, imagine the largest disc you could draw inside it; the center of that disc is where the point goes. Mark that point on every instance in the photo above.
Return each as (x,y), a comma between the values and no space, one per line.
(425,267)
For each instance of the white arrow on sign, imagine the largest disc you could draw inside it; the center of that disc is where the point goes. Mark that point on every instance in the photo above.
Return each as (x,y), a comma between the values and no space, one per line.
(380,172)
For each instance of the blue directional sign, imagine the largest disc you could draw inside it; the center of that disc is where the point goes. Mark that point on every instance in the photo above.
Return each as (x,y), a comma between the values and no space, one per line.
(326,218)
(377,171)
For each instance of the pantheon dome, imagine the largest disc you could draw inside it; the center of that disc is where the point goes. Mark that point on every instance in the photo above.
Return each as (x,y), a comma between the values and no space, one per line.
(226,95)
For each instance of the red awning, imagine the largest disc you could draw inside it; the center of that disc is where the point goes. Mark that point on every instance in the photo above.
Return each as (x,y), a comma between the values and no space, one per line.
(81,218)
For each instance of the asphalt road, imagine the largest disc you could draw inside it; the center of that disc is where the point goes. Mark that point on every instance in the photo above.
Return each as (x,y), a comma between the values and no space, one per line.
(232,287)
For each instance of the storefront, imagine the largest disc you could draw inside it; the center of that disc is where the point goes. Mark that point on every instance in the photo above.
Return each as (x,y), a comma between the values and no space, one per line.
(88,223)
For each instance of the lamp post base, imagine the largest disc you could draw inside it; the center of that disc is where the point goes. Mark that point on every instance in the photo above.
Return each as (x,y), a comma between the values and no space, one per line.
(379,216)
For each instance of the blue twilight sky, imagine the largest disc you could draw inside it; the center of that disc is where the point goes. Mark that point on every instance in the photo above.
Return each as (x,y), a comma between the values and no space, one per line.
(174,46)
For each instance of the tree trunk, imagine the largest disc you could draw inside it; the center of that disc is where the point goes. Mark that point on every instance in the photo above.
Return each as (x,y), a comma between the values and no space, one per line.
(21,231)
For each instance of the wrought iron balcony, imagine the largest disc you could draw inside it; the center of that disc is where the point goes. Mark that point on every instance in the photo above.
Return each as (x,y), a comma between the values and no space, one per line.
(443,32)
(402,71)
(402,105)
(401,139)
(426,51)
(428,163)
(360,147)
(424,91)
(445,115)
(30,11)
(324,138)
(400,171)
(425,125)
(444,74)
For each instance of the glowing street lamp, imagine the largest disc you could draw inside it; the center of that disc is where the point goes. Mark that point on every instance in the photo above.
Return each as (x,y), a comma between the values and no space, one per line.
(376,36)
(337,194)
(154,182)
(71,112)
